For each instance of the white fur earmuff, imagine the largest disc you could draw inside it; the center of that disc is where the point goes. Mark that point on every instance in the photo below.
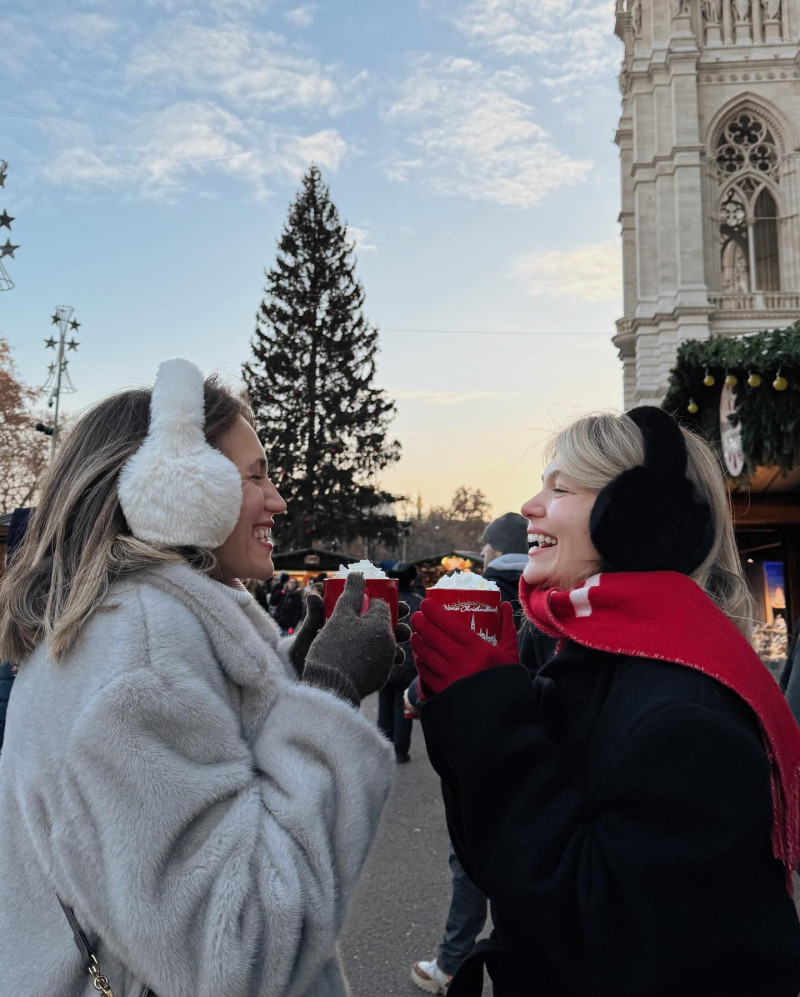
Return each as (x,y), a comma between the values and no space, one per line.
(176,489)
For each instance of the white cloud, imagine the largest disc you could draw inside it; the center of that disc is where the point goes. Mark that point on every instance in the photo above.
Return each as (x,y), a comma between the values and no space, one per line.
(588,273)
(162,152)
(326,148)
(361,238)
(448,397)
(301,17)
(572,40)
(401,169)
(242,66)
(227,8)
(88,29)
(475,136)
(230,99)
(81,165)
(21,46)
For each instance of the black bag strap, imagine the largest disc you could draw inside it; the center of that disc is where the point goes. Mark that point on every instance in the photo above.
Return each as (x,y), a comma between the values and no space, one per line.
(81,940)
(100,982)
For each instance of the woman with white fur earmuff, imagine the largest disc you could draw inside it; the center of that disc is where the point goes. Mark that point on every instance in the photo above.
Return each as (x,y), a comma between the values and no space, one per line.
(631,808)
(186,800)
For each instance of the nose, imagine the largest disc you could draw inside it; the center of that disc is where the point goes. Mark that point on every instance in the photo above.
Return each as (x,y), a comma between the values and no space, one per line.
(534,507)
(273,501)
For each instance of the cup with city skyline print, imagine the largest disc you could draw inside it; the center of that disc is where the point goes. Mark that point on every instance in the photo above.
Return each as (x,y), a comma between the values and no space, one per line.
(471,601)
(376,586)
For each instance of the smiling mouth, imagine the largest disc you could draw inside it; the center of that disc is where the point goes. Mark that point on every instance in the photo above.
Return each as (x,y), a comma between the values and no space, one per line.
(263,536)
(540,541)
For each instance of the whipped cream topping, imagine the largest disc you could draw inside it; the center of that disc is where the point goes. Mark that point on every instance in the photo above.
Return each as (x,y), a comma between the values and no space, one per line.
(466,580)
(367,569)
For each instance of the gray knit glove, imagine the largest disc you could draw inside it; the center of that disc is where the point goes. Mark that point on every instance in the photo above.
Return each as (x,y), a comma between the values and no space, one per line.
(352,655)
(306,632)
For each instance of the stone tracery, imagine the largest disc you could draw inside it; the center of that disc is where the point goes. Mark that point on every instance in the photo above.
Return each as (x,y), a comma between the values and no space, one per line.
(746,143)
(748,154)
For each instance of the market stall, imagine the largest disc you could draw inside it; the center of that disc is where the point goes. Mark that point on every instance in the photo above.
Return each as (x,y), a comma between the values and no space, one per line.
(743,395)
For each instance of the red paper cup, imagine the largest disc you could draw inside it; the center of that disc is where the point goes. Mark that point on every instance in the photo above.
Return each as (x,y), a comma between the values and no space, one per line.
(477,610)
(374,588)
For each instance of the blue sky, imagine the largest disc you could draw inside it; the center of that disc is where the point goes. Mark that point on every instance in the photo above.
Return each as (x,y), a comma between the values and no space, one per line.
(154,147)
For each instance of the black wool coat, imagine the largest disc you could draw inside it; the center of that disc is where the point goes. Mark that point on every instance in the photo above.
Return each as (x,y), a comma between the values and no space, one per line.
(617,813)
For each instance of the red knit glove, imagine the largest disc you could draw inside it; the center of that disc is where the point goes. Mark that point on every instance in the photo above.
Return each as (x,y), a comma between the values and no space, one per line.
(444,655)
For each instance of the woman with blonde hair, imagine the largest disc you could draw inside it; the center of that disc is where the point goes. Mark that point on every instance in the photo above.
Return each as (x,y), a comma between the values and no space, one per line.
(632,808)
(198,795)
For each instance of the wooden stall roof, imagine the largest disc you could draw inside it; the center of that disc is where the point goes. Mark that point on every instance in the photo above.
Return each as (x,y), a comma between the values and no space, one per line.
(310,559)
(765,509)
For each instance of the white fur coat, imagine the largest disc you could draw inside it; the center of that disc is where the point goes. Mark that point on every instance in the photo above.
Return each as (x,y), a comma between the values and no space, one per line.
(205,814)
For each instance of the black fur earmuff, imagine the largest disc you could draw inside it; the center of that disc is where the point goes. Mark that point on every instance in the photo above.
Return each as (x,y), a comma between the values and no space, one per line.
(651,517)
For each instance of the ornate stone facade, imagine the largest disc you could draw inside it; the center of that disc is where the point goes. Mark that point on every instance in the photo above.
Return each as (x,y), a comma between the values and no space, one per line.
(708,140)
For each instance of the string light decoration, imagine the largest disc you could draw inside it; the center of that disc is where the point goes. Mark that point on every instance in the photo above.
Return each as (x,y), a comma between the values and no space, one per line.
(763,372)
(8,249)
(58,380)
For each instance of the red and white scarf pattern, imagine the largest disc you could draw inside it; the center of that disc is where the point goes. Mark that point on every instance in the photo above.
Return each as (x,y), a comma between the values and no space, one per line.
(667,616)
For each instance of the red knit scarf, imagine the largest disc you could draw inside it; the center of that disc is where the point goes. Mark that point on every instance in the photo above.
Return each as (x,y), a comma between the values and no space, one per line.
(667,616)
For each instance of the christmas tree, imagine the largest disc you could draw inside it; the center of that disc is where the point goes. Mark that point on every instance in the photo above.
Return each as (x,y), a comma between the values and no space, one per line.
(322,421)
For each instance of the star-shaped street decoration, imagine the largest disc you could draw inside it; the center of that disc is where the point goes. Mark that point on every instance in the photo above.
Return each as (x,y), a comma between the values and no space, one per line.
(7,249)
(50,344)
(6,219)
(51,368)
(3,175)
(75,324)
(72,345)
(55,318)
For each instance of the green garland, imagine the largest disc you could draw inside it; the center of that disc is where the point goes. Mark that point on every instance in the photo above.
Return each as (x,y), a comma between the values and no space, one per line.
(770,419)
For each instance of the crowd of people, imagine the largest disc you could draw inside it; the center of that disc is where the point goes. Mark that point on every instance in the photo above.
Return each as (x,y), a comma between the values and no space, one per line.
(284,597)
(189,790)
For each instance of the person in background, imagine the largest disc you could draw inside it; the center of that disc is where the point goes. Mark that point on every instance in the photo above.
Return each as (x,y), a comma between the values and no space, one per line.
(291,608)
(631,808)
(392,722)
(505,554)
(504,549)
(261,595)
(276,590)
(195,796)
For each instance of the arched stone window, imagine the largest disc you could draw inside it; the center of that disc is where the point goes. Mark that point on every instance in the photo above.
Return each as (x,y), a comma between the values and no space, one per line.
(746,144)
(749,239)
(747,153)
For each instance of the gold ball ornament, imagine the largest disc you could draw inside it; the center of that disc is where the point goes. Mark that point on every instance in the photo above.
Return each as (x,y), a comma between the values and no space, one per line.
(754,380)
(780,383)
(731,380)
(692,407)
(708,380)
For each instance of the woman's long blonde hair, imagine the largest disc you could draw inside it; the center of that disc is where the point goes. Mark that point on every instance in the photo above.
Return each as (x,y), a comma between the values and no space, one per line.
(78,542)
(596,448)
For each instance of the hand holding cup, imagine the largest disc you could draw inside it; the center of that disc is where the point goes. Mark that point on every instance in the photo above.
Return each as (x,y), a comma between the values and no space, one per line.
(353,653)
(445,652)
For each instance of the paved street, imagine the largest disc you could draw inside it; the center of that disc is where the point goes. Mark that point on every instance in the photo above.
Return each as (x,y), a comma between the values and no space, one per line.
(398,913)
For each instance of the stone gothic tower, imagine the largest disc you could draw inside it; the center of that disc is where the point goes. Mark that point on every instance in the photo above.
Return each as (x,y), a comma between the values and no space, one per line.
(708,140)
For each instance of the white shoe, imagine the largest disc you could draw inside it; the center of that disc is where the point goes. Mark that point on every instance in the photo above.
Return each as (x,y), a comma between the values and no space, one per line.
(429,977)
